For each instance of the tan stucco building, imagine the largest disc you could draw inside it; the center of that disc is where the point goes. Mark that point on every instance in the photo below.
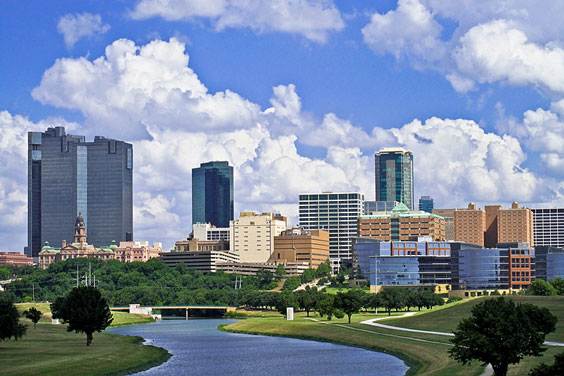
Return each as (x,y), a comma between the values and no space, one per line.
(298,245)
(470,225)
(252,235)
(448,215)
(515,225)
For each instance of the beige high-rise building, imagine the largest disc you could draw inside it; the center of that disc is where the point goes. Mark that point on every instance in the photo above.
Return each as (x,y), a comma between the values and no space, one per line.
(470,225)
(515,225)
(448,215)
(298,245)
(252,235)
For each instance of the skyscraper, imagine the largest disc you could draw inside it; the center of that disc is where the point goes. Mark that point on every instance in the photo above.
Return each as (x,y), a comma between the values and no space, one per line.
(334,212)
(68,176)
(212,194)
(426,204)
(548,227)
(394,176)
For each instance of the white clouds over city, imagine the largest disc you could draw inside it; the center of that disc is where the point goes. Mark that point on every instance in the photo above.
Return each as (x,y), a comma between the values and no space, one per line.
(150,96)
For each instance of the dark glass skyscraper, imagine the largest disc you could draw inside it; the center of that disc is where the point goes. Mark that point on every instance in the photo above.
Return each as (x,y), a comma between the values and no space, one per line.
(426,204)
(68,176)
(394,176)
(212,194)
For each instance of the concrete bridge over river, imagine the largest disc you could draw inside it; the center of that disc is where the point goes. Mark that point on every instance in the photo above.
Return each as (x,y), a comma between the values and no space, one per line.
(148,310)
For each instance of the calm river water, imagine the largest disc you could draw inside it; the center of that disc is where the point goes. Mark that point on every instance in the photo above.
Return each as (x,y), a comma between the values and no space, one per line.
(199,349)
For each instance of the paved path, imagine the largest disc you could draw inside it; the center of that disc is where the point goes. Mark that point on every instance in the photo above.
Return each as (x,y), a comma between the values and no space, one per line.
(372,322)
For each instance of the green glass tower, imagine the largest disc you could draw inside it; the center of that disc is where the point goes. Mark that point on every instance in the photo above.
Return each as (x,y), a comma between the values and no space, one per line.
(394,176)
(212,194)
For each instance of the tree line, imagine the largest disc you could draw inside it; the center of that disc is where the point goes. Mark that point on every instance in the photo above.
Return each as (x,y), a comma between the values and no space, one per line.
(344,302)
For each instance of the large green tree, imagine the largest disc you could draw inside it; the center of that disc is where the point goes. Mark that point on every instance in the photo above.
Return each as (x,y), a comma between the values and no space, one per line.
(555,369)
(349,302)
(501,333)
(541,288)
(307,298)
(9,320)
(85,310)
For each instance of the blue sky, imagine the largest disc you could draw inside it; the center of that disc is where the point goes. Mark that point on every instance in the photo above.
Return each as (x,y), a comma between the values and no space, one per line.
(297,95)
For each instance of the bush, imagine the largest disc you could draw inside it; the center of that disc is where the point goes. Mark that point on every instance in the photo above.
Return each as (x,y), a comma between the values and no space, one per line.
(473,294)
(453,299)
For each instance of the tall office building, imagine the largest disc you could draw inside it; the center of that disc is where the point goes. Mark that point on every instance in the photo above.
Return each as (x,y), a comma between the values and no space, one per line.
(426,204)
(252,235)
(448,215)
(68,176)
(334,212)
(548,227)
(394,176)
(470,225)
(515,225)
(212,194)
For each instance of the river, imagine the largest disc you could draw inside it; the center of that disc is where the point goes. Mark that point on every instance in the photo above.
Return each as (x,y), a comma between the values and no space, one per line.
(198,348)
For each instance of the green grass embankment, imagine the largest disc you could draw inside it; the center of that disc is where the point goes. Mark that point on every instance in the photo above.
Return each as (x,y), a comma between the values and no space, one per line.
(424,358)
(51,350)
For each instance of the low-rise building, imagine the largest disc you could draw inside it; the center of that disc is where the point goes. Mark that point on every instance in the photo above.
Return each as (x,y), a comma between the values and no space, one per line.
(196,245)
(299,245)
(208,232)
(252,268)
(136,251)
(15,258)
(205,261)
(401,224)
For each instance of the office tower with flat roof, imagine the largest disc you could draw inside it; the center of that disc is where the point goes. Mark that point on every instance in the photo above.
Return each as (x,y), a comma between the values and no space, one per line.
(68,176)
(252,235)
(212,194)
(548,227)
(334,212)
(515,225)
(470,225)
(394,176)
(426,204)
(448,215)
(490,234)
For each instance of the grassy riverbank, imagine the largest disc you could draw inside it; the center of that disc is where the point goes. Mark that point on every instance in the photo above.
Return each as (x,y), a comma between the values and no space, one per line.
(426,354)
(51,350)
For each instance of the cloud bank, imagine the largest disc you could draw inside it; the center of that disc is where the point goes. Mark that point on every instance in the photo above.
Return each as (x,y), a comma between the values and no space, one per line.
(80,25)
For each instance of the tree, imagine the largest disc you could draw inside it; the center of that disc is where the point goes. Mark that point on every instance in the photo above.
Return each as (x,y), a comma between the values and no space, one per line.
(307,298)
(326,305)
(9,318)
(323,269)
(34,315)
(556,369)
(285,300)
(501,333)
(390,298)
(349,302)
(84,309)
(280,271)
(558,284)
(542,288)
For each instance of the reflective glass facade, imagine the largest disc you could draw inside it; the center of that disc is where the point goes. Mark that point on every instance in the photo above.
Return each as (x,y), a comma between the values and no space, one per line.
(67,176)
(426,204)
(402,263)
(549,263)
(394,176)
(476,268)
(212,194)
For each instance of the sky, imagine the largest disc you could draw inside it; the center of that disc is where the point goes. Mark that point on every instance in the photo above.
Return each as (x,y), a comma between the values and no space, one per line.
(297,95)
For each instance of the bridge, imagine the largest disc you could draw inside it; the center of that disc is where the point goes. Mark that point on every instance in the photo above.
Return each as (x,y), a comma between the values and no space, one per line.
(148,310)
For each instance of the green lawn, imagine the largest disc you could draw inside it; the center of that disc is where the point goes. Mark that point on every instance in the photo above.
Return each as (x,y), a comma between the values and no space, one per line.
(446,320)
(424,358)
(51,350)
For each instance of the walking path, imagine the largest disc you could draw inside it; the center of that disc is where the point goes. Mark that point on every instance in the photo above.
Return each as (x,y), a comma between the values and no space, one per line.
(372,322)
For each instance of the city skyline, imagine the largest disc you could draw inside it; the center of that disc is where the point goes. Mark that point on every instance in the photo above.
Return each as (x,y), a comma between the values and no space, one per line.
(296,101)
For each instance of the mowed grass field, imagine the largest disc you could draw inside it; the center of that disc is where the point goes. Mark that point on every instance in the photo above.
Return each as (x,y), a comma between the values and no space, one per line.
(424,358)
(51,350)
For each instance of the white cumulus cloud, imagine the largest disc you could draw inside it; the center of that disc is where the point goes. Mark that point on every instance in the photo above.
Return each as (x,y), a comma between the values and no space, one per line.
(79,25)
(313,19)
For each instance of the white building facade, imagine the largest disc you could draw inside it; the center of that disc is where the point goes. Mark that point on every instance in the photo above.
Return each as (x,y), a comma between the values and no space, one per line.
(548,227)
(252,235)
(334,212)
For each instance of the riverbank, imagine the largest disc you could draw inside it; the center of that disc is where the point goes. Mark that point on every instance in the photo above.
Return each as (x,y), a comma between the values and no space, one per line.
(51,350)
(424,354)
